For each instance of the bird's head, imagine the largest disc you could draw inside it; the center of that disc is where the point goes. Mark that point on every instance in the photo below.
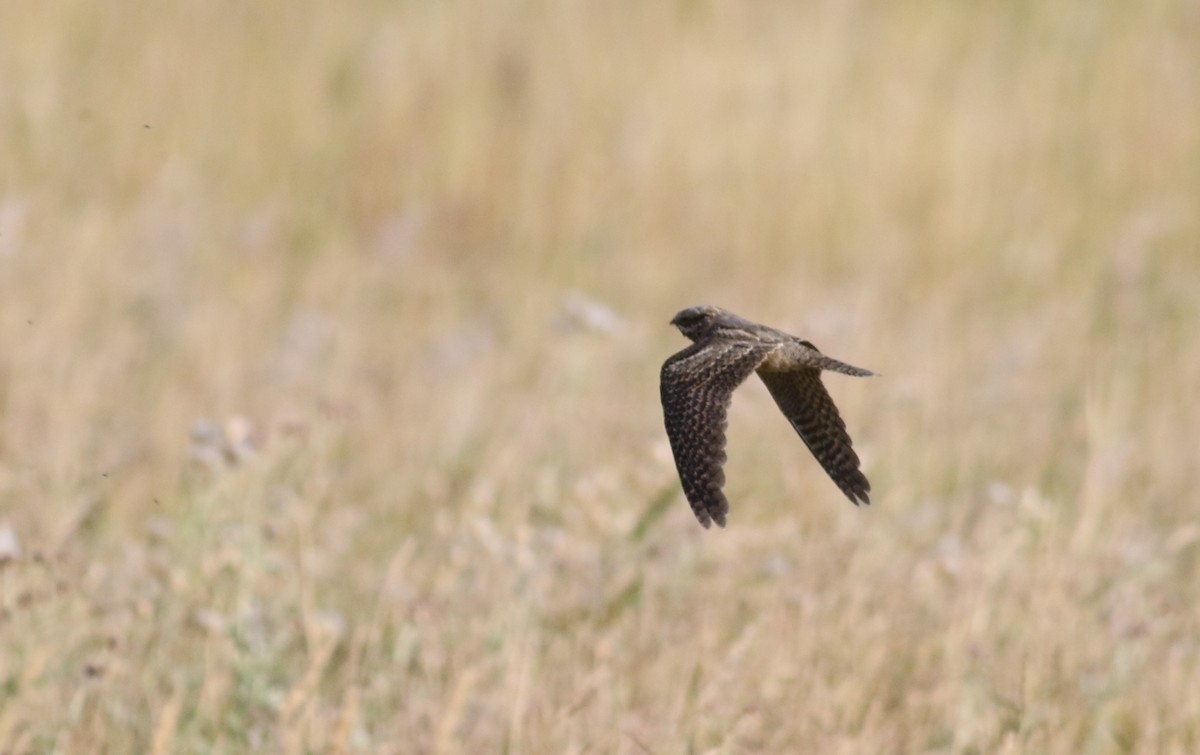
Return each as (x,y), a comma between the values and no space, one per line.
(698,322)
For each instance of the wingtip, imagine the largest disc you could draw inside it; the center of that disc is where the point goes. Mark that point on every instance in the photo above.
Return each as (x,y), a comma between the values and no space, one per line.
(858,497)
(706,519)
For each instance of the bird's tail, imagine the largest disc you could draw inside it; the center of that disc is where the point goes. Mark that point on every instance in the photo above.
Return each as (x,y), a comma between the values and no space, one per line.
(823,362)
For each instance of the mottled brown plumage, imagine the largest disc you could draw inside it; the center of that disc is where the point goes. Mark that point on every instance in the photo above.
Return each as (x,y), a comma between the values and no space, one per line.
(698,383)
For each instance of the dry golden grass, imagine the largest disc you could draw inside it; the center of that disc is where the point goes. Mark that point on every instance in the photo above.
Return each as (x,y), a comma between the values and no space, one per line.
(434,511)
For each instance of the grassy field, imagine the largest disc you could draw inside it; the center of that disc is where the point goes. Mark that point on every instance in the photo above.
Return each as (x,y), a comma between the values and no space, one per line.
(329,349)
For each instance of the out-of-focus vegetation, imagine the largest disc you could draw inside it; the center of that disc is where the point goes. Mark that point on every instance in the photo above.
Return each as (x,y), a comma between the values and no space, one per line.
(329,344)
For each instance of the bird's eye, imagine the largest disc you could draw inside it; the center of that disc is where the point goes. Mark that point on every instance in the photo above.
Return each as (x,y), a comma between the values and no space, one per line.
(693,319)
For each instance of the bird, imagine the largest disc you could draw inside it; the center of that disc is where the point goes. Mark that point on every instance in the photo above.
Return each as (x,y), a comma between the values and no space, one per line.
(697,384)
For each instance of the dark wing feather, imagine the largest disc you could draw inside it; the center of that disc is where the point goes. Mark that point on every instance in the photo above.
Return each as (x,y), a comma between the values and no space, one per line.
(696,385)
(807,405)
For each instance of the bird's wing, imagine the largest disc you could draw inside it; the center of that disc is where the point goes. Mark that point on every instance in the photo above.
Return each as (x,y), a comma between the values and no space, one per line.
(807,405)
(696,385)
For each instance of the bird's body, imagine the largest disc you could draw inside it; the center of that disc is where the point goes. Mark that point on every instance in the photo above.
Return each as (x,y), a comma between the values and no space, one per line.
(698,382)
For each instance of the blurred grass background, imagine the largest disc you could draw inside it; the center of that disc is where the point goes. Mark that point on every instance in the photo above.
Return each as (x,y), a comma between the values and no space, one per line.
(329,341)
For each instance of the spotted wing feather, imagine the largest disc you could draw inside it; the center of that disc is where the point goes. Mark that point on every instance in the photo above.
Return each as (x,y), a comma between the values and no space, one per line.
(807,405)
(696,385)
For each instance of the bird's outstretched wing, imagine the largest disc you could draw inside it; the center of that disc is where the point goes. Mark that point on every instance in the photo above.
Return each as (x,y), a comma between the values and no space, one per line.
(696,386)
(807,405)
